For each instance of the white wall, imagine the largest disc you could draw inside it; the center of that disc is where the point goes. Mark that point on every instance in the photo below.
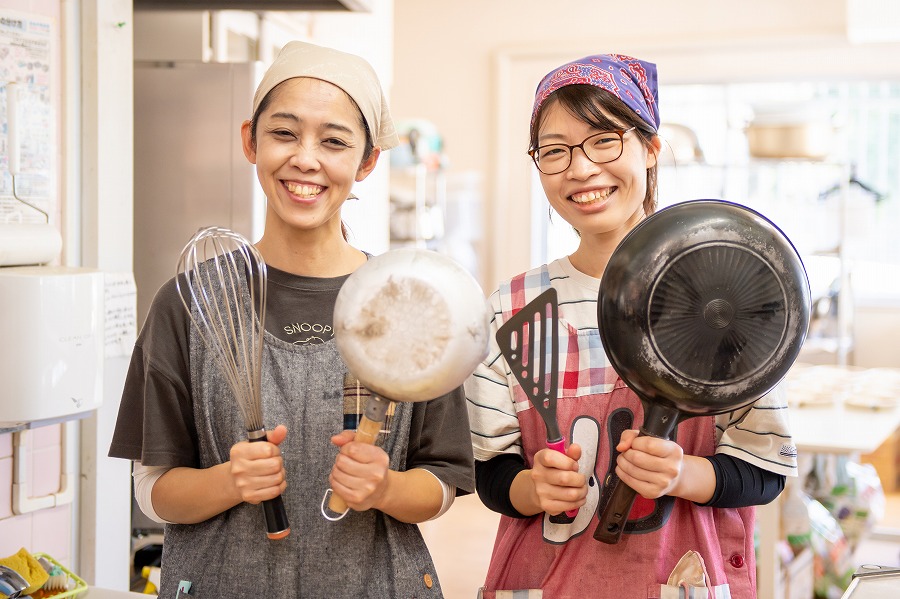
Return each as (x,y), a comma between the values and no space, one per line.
(369,35)
(104,128)
(876,329)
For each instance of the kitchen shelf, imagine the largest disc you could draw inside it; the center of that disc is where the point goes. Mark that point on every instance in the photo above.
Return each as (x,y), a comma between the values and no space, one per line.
(418,205)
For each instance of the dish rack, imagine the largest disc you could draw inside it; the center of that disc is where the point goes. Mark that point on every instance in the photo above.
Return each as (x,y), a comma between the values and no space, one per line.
(79,587)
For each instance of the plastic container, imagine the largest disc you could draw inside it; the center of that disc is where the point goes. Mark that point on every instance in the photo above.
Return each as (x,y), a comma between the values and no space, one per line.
(75,586)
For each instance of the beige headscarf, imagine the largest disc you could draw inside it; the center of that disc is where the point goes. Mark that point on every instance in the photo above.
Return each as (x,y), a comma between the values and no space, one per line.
(347,71)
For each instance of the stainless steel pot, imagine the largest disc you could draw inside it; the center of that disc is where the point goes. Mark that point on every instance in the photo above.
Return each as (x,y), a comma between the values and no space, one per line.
(411,324)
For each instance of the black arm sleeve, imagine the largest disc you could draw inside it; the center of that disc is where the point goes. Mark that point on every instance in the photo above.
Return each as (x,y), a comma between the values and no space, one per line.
(493,480)
(738,483)
(741,484)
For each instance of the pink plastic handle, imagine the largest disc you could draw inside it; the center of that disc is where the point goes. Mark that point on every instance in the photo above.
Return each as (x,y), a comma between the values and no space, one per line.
(560,446)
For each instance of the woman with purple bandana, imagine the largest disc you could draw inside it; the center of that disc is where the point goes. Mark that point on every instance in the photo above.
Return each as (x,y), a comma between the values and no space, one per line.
(690,533)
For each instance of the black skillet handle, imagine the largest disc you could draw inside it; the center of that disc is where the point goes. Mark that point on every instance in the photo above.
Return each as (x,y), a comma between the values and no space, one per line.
(660,420)
(614,517)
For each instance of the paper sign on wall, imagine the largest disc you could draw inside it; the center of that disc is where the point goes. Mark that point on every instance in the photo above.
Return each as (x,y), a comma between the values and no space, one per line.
(26,52)
(120,313)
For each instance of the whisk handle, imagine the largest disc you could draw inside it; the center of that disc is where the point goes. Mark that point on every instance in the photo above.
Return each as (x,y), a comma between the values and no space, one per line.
(277,526)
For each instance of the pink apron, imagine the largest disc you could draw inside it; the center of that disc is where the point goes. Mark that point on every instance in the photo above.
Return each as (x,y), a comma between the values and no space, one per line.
(537,558)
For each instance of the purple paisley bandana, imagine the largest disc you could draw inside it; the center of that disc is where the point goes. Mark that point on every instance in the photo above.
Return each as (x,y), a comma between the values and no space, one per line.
(631,80)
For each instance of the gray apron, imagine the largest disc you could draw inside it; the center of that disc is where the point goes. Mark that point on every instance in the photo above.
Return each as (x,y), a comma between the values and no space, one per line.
(366,554)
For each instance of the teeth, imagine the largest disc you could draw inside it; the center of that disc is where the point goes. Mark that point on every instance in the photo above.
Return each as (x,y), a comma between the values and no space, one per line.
(307,191)
(592,196)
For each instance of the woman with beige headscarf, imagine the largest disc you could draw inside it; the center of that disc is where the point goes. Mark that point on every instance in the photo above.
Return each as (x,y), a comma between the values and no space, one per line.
(319,124)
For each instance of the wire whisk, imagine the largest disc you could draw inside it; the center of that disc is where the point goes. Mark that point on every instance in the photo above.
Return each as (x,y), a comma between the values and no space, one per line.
(221,280)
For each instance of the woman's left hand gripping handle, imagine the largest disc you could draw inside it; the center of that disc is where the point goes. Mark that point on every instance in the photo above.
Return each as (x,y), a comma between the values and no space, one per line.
(334,507)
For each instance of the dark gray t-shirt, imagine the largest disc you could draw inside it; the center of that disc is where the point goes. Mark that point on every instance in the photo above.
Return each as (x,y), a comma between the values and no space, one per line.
(156,423)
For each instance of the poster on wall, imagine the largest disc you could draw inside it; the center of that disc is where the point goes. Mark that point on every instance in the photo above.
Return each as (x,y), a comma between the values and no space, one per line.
(27,118)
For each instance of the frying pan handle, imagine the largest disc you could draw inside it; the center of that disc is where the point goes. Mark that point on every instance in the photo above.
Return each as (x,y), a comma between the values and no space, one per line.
(569,516)
(613,518)
(366,432)
(277,526)
(659,421)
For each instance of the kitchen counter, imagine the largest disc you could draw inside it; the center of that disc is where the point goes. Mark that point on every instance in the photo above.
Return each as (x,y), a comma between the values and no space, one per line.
(824,419)
(829,413)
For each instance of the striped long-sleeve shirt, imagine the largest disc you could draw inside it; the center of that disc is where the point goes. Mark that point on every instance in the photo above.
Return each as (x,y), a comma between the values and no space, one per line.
(758,434)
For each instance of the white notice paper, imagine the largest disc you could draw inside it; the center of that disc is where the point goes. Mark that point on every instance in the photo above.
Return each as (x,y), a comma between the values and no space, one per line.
(120,308)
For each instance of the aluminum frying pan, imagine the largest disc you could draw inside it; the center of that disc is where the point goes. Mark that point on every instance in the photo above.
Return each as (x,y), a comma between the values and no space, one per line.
(411,325)
(702,310)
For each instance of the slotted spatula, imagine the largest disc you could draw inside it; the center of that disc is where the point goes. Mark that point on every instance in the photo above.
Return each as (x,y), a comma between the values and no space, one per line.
(529,342)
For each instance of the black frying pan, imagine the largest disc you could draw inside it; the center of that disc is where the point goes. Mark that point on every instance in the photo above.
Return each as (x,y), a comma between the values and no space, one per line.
(702,310)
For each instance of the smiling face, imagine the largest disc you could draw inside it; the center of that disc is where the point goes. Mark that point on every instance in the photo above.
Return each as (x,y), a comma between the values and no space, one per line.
(596,199)
(309,148)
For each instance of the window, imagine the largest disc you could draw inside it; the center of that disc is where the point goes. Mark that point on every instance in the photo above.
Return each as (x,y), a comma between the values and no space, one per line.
(825,205)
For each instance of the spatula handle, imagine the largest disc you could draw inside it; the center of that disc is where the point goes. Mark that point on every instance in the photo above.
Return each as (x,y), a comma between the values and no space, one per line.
(569,516)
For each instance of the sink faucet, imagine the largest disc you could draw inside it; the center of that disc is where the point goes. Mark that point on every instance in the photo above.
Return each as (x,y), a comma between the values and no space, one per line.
(11,582)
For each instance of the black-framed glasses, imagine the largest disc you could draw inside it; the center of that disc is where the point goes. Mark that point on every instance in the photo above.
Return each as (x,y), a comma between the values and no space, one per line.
(599,148)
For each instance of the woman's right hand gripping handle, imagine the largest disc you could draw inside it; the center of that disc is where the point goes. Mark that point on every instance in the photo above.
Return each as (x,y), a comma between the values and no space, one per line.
(257,470)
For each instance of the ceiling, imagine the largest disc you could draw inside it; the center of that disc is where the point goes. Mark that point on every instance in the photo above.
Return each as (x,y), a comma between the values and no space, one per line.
(292,5)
